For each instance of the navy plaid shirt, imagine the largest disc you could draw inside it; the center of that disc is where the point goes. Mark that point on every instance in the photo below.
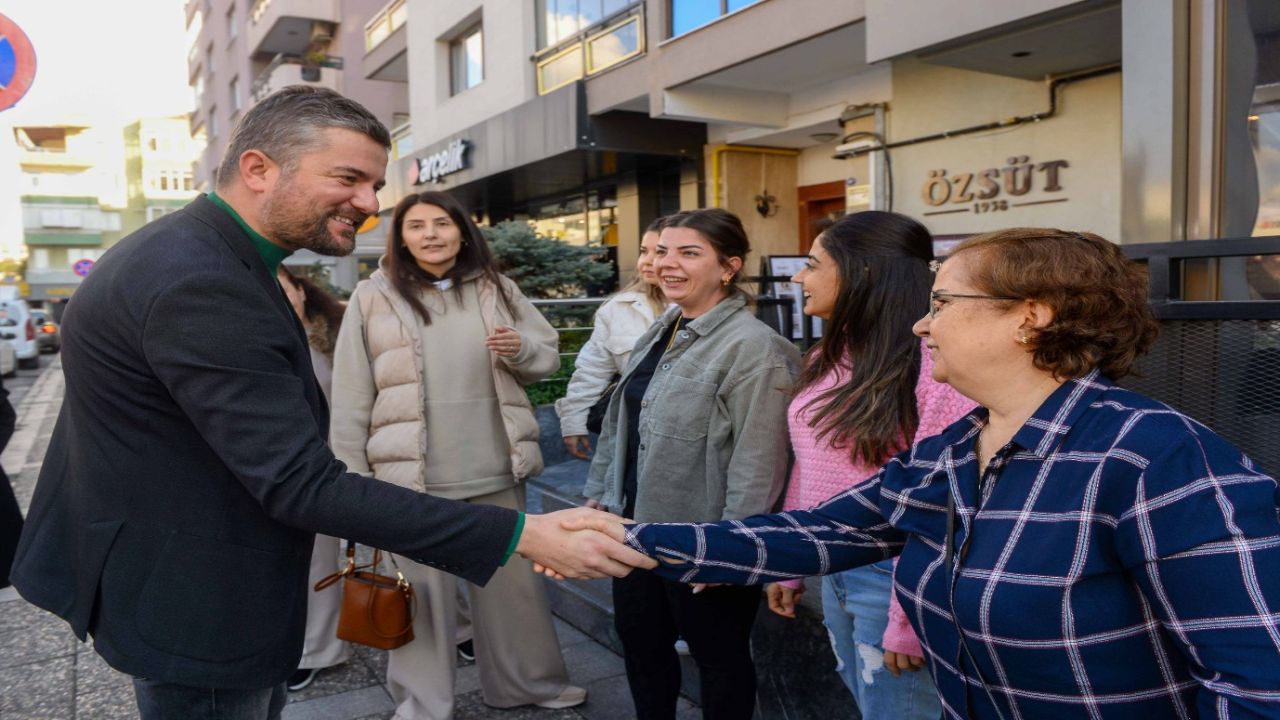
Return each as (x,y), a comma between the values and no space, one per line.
(1116,560)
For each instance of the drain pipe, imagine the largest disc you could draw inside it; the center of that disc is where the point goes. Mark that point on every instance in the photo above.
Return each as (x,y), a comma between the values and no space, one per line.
(1007,122)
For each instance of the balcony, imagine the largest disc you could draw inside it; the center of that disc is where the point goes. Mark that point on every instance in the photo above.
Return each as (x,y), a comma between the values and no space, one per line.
(386,45)
(291,27)
(287,70)
(69,239)
(594,50)
(50,158)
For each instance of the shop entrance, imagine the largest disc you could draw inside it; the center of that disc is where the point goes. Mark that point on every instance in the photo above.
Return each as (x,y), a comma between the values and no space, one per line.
(820,205)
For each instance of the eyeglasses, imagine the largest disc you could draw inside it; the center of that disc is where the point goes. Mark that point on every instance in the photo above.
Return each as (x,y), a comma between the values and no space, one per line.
(935,297)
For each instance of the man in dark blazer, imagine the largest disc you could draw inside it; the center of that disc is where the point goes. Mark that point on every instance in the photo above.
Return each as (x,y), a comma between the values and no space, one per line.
(174,515)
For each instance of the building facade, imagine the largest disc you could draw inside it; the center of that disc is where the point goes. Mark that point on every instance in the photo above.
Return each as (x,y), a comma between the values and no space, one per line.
(1142,120)
(243,50)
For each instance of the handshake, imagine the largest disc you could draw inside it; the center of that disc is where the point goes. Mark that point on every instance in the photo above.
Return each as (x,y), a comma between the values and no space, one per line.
(579,543)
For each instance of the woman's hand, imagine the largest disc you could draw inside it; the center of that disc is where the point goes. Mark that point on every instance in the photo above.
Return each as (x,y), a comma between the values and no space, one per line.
(578,446)
(783,599)
(594,504)
(897,662)
(504,342)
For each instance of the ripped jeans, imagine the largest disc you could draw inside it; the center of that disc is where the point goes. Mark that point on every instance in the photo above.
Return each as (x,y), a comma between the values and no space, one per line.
(855,606)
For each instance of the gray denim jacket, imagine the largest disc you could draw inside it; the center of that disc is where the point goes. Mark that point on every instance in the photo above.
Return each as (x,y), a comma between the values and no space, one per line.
(713,421)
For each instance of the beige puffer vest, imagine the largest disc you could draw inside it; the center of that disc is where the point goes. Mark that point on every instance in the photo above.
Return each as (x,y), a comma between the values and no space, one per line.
(397,425)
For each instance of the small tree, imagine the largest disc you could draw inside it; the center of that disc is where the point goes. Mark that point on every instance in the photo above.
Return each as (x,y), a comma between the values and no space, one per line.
(544,267)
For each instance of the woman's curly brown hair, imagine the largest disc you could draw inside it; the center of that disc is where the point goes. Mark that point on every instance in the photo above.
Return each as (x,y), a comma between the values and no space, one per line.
(1102,317)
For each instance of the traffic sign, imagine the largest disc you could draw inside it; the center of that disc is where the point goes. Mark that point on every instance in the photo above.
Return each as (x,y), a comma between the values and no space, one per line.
(17,63)
(82,267)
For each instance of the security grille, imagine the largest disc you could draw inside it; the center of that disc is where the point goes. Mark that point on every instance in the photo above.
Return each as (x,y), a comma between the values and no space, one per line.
(1224,373)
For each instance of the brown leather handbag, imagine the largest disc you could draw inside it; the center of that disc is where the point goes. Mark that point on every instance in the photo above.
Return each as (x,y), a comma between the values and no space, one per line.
(377,610)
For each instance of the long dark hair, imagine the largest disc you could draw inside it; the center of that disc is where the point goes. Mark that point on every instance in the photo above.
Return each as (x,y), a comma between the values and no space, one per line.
(883,259)
(474,255)
(323,311)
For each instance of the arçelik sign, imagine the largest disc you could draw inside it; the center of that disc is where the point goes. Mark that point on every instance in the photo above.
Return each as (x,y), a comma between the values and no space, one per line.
(434,167)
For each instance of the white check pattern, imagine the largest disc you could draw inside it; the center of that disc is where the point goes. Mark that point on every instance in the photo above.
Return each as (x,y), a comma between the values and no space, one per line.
(1116,560)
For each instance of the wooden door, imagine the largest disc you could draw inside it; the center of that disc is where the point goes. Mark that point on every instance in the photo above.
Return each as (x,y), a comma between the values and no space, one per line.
(820,205)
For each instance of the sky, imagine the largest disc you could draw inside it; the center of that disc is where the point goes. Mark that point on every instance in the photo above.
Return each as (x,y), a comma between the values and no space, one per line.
(109,63)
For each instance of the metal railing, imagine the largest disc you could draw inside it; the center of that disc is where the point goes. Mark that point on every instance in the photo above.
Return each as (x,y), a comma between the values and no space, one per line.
(1217,360)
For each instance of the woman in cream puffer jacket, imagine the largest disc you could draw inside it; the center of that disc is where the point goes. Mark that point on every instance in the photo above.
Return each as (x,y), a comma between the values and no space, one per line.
(428,393)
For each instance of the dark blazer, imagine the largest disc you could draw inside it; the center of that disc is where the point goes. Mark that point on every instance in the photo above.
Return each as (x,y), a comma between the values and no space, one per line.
(174,515)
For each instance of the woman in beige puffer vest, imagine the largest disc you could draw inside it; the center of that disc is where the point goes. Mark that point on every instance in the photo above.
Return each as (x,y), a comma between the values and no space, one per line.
(428,372)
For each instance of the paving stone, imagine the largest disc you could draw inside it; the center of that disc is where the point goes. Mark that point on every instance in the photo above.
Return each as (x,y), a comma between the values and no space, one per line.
(348,676)
(588,662)
(93,674)
(29,634)
(39,690)
(365,702)
(568,634)
(375,660)
(115,703)
(608,699)
(470,706)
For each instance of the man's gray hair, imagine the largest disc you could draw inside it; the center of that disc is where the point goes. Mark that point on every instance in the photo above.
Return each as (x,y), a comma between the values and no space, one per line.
(290,122)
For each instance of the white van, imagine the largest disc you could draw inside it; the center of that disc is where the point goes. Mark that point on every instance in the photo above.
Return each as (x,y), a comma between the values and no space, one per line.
(17,327)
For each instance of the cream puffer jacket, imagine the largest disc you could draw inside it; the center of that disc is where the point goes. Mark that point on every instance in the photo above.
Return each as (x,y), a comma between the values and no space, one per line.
(395,440)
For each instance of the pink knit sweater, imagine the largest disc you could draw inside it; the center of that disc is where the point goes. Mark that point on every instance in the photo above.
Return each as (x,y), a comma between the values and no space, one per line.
(822,470)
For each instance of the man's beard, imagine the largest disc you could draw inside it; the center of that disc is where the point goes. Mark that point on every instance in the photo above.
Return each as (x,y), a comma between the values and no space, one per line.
(297,228)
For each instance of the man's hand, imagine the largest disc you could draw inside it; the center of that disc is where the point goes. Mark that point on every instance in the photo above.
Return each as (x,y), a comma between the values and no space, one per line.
(783,599)
(578,446)
(601,522)
(559,552)
(897,662)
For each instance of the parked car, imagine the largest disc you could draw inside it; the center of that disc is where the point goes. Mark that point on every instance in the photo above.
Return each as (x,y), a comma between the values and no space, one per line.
(48,335)
(19,329)
(8,359)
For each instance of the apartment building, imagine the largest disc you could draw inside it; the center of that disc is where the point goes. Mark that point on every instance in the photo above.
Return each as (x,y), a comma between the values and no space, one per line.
(1143,120)
(159,154)
(243,50)
(83,187)
(73,198)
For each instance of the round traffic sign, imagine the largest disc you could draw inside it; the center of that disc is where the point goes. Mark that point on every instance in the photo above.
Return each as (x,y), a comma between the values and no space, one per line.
(82,267)
(17,63)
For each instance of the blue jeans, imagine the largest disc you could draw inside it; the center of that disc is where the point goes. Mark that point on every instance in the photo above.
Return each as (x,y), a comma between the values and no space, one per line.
(167,701)
(855,606)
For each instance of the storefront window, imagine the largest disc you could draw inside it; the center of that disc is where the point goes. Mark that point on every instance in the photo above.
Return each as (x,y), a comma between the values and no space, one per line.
(572,221)
(1264,115)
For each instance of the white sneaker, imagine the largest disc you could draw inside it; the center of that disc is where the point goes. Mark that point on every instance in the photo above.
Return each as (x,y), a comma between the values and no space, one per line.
(682,647)
(570,696)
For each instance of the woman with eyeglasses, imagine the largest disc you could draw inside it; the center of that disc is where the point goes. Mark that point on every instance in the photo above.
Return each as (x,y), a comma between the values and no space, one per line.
(864,395)
(1070,549)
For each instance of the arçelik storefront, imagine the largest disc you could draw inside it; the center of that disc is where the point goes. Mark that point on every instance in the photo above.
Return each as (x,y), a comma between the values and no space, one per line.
(583,179)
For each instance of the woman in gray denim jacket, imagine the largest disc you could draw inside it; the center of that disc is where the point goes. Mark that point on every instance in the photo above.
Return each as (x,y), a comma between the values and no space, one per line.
(695,432)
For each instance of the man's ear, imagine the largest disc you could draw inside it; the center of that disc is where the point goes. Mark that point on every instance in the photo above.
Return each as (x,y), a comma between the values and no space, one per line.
(257,171)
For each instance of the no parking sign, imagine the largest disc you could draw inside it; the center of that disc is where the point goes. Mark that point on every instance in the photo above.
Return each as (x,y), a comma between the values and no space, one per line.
(17,63)
(82,267)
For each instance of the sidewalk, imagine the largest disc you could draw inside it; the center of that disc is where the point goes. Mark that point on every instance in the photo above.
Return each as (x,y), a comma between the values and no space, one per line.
(45,674)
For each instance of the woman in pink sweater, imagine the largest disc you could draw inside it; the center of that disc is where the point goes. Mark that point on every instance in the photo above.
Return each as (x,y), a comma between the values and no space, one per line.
(866,392)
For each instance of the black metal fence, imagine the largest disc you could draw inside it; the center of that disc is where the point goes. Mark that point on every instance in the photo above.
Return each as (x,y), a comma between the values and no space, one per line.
(1216,360)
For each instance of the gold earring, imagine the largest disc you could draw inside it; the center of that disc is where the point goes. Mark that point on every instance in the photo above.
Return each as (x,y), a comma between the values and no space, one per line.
(726,281)
(1024,340)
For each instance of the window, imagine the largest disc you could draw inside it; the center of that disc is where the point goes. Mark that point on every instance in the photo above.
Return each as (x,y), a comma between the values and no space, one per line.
(197,89)
(466,58)
(615,44)
(689,15)
(560,20)
(235,94)
(40,259)
(231,23)
(208,59)
(213,122)
(560,69)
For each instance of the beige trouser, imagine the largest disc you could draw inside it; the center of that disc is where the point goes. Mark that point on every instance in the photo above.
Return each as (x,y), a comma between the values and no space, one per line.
(517,652)
(321,647)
